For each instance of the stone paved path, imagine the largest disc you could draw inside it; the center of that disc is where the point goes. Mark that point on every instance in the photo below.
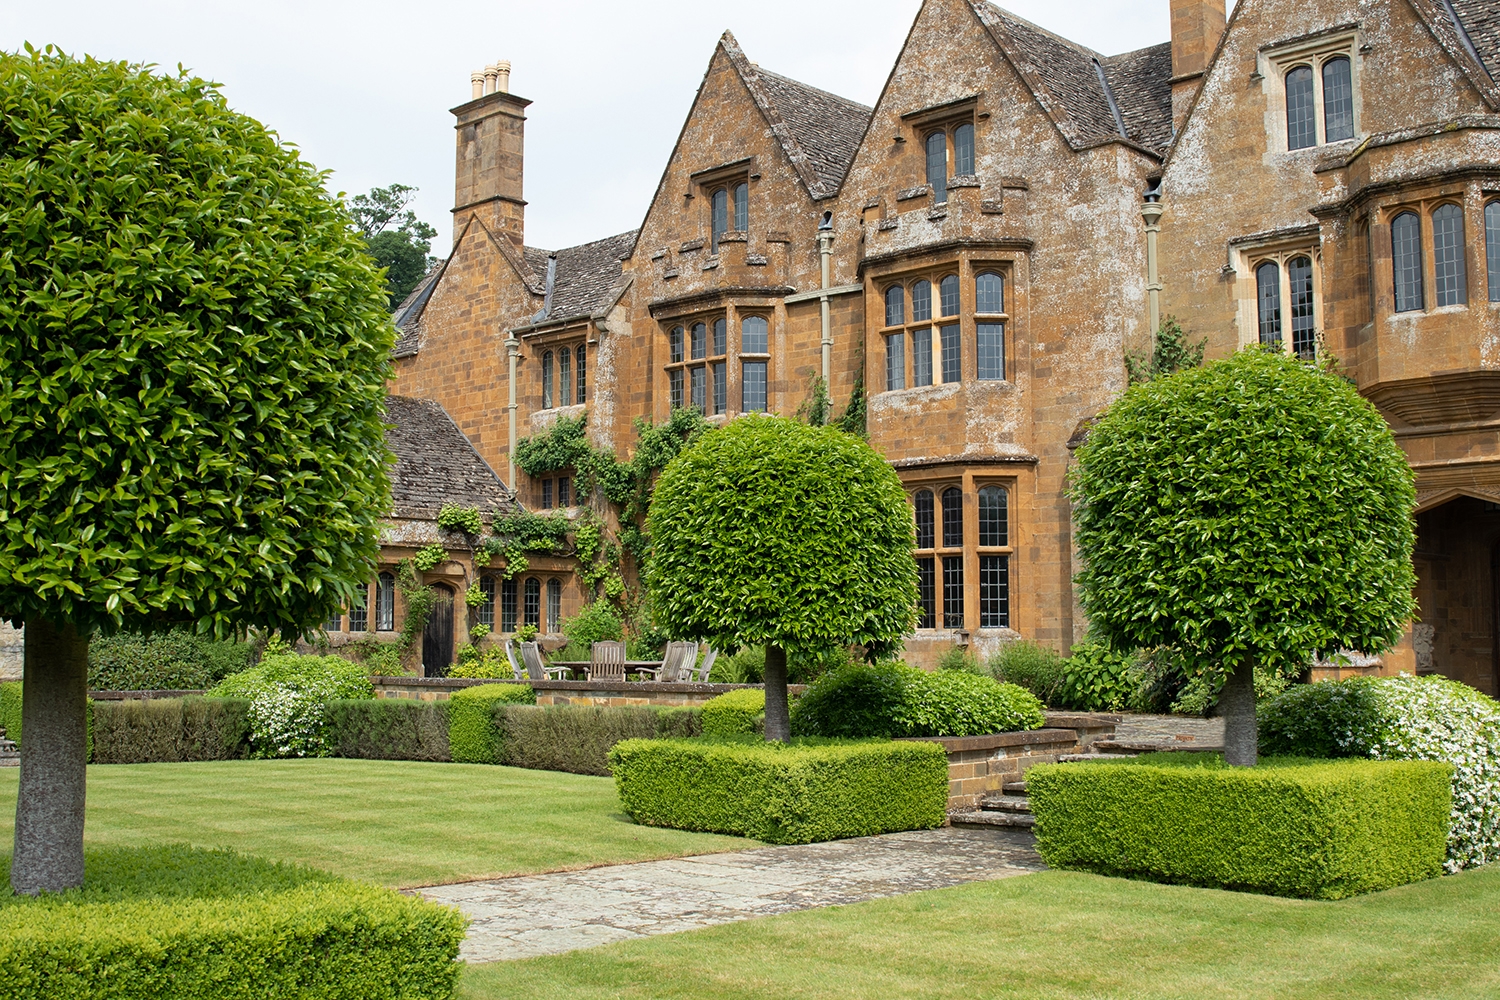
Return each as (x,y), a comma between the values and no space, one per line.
(546,914)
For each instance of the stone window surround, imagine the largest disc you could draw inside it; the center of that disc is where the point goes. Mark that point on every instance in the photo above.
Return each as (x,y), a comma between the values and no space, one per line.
(970,482)
(945,118)
(702,185)
(968,268)
(1475,260)
(1274,62)
(538,343)
(1278,249)
(733,316)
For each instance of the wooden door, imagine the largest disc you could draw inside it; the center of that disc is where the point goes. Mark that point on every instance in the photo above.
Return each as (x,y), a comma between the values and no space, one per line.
(437,636)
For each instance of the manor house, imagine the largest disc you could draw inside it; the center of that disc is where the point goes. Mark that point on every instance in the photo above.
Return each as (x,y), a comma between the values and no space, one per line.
(979,252)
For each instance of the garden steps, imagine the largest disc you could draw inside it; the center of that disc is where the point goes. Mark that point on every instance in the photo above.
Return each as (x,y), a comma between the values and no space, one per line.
(10,754)
(998,810)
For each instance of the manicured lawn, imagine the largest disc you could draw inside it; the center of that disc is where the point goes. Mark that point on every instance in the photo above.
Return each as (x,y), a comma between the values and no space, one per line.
(1056,935)
(399,823)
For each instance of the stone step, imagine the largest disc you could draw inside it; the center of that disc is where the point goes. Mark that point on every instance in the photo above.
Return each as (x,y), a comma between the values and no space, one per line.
(1015,787)
(1151,746)
(1005,803)
(1069,758)
(984,817)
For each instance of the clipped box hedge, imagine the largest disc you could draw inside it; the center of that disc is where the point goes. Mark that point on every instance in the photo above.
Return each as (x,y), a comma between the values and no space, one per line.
(473,736)
(735,712)
(388,729)
(211,925)
(1287,827)
(797,793)
(578,738)
(141,731)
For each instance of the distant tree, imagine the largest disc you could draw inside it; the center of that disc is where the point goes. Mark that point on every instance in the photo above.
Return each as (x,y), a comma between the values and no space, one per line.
(1252,512)
(1171,352)
(194,356)
(769,532)
(395,237)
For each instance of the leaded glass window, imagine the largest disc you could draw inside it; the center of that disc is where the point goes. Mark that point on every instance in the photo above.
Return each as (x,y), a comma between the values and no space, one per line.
(507,606)
(1338,100)
(721,388)
(963,150)
(720,338)
(699,340)
(994,517)
(753,378)
(953,591)
(937,165)
(565,377)
(922,503)
(948,294)
(719,209)
(994,591)
(1299,272)
(674,341)
(989,293)
(698,387)
(895,306)
(533,602)
(895,361)
(1406,260)
(674,377)
(547,380)
(1449,273)
(926,592)
(742,207)
(990,351)
(1301,118)
(952,349)
(583,355)
(953,518)
(385,603)
(921,356)
(359,611)
(484,613)
(921,303)
(1268,302)
(754,335)
(1492,248)
(554,606)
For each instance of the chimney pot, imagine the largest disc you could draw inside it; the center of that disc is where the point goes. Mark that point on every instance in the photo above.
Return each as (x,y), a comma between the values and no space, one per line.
(502,78)
(489,79)
(476,84)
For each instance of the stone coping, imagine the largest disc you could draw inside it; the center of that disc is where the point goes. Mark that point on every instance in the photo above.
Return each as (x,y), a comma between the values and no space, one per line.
(1080,720)
(143,695)
(994,741)
(646,687)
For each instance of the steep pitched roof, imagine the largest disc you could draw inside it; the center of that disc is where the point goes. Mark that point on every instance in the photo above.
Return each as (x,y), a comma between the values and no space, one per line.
(588,276)
(819,132)
(1470,31)
(1084,91)
(436,464)
(1481,19)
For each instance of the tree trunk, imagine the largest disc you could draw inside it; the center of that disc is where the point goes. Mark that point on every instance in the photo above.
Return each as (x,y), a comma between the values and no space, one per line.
(49,805)
(1237,703)
(778,721)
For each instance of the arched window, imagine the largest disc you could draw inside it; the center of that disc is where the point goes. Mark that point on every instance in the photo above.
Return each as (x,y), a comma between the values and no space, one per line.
(895,306)
(1406,260)
(547,380)
(532,606)
(1492,247)
(921,302)
(554,606)
(937,165)
(895,361)
(359,611)
(583,382)
(754,337)
(507,605)
(989,293)
(926,535)
(1301,118)
(721,341)
(385,603)
(699,340)
(1268,302)
(742,207)
(994,517)
(1338,100)
(948,294)
(963,150)
(674,343)
(1299,272)
(565,377)
(484,613)
(720,210)
(953,518)
(1448,271)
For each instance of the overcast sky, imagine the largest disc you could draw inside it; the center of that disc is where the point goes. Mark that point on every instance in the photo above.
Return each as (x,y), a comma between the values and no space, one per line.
(364,88)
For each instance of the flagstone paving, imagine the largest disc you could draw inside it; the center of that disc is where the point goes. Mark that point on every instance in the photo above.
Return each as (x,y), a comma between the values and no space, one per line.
(547,914)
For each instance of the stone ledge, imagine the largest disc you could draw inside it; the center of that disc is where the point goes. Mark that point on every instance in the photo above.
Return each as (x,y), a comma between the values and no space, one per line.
(1030,737)
(645,687)
(142,695)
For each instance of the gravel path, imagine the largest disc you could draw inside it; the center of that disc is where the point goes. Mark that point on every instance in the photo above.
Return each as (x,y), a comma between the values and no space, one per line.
(546,914)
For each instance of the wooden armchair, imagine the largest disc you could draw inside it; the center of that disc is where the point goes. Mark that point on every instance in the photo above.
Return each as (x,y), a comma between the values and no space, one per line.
(708,665)
(536,670)
(607,661)
(677,665)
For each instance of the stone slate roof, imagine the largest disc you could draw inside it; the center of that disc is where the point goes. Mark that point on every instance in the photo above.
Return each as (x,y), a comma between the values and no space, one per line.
(819,132)
(436,464)
(588,276)
(1481,22)
(409,312)
(1065,80)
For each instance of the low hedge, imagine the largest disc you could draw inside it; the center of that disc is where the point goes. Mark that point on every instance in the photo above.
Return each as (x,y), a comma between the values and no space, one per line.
(212,925)
(10,710)
(140,731)
(578,738)
(473,737)
(894,700)
(735,713)
(388,729)
(1287,827)
(797,793)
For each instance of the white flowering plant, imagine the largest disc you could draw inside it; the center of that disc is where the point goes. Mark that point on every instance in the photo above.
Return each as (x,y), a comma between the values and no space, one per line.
(288,699)
(1404,718)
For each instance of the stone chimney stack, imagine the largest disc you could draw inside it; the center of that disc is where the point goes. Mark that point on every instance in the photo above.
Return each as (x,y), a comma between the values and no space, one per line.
(491,129)
(1196,28)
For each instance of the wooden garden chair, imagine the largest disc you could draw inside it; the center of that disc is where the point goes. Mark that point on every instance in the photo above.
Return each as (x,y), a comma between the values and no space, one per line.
(708,664)
(531,654)
(607,661)
(677,665)
(515,667)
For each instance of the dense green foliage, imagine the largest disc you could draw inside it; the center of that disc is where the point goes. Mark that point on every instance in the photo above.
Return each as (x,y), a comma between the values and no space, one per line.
(172,661)
(783,793)
(595,622)
(195,350)
(394,237)
(473,737)
(287,696)
(770,532)
(1288,826)
(1096,678)
(332,676)
(1037,668)
(894,700)
(1255,510)
(10,710)
(211,925)
(137,731)
(1404,718)
(1171,351)
(388,729)
(735,713)
(578,738)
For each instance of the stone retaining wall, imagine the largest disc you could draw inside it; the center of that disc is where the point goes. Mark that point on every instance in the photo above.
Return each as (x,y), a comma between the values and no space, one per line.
(567,692)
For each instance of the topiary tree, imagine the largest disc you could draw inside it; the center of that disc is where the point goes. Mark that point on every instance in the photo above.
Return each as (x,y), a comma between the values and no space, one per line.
(1255,511)
(194,350)
(768,532)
